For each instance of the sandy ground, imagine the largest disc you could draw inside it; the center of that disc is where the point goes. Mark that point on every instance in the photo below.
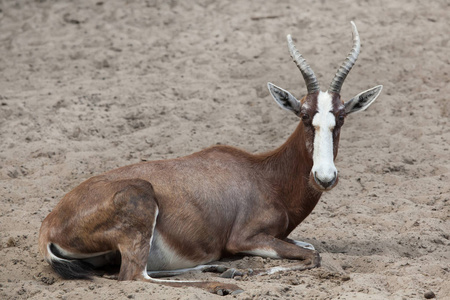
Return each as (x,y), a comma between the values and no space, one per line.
(88,86)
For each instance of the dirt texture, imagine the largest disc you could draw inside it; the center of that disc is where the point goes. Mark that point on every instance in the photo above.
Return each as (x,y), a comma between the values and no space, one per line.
(88,86)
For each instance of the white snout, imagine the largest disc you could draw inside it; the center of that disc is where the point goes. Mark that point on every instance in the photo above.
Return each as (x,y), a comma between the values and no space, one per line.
(325,176)
(324,170)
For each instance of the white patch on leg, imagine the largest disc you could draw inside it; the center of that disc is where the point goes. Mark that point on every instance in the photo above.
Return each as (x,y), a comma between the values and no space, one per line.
(147,277)
(145,273)
(324,122)
(303,245)
(154,226)
(163,257)
(263,253)
(71,255)
(97,259)
(179,271)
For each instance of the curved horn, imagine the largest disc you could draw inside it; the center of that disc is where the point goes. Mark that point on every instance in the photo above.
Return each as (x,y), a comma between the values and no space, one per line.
(348,63)
(308,75)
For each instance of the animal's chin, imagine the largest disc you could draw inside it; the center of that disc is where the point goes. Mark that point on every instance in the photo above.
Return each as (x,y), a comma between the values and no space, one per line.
(320,188)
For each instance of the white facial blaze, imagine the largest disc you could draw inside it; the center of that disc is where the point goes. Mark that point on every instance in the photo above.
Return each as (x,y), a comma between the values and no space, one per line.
(324,123)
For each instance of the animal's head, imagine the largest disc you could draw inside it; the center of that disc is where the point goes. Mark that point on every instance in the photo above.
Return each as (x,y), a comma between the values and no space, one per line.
(323,113)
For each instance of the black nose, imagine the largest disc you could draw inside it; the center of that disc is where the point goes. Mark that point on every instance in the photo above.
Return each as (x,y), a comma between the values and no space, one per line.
(325,184)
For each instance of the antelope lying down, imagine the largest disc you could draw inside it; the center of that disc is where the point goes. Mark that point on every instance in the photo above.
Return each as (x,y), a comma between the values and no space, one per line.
(184,212)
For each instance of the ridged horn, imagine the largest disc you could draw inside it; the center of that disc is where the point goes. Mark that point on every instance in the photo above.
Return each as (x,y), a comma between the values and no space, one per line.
(308,74)
(348,63)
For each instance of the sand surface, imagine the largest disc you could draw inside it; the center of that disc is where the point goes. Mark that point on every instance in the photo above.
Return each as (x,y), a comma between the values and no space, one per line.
(87,86)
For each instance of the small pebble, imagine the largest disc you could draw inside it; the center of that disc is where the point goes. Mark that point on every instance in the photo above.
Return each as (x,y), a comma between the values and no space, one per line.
(345,278)
(429,295)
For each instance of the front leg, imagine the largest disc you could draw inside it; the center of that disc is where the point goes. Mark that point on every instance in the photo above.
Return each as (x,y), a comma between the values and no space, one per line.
(269,246)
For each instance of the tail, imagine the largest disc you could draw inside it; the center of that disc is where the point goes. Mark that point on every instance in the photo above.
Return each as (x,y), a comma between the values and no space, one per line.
(68,268)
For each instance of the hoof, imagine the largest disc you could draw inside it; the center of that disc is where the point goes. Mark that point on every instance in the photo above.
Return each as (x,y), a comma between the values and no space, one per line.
(231,273)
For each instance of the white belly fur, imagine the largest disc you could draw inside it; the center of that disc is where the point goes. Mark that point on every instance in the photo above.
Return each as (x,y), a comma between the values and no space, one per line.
(162,257)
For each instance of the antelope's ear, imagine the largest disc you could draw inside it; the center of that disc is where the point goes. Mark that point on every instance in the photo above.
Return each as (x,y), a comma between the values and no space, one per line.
(363,100)
(284,99)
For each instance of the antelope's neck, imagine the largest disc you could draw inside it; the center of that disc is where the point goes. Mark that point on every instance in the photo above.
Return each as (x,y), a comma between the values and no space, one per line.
(289,167)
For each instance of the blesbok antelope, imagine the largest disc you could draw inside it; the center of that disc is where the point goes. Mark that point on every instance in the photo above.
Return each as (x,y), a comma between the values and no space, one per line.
(184,212)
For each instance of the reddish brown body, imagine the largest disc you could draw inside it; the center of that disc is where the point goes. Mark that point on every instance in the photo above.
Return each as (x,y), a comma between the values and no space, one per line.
(180,213)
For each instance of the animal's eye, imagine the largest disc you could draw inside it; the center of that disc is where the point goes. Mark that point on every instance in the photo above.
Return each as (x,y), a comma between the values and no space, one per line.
(305,117)
(341,118)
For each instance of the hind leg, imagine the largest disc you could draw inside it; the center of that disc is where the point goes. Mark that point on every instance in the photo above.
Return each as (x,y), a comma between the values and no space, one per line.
(137,214)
